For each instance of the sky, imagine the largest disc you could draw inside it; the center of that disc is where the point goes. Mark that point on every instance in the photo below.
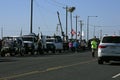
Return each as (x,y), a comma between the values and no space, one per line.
(15,16)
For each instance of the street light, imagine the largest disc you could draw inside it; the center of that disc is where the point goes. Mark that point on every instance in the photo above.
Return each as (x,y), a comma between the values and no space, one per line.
(81,24)
(76,24)
(88,26)
(68,9)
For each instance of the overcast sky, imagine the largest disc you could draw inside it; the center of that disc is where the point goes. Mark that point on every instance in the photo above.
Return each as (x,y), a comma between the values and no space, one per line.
(15,15)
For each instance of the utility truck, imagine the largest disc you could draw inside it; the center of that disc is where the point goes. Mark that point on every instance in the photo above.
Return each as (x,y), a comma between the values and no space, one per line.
(30,43)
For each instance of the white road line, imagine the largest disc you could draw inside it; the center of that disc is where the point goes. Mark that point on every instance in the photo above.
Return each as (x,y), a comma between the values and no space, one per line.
(117,75)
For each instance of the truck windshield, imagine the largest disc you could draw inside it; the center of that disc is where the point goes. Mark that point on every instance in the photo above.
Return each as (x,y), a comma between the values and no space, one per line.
(50,40)
(27,39)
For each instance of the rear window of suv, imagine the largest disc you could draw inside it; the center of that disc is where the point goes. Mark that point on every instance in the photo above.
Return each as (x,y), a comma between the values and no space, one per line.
(111,39)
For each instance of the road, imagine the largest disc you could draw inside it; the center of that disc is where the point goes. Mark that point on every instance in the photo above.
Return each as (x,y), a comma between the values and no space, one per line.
(61,66)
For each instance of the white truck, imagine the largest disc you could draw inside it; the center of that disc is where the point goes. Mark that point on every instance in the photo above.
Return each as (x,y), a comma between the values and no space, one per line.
(52,43)
(30,43)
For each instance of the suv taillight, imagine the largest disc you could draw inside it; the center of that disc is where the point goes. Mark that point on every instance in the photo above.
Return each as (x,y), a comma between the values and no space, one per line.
(101,46)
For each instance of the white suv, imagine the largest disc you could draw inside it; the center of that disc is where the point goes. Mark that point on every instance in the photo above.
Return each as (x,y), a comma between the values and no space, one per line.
(109,49)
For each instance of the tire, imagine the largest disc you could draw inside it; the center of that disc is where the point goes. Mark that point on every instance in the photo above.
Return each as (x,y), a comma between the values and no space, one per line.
(100,61)
(12,54)
(2,54)
(107,61)
(22,52)
(32,52)
(53,51)
(60,51)
(42,52)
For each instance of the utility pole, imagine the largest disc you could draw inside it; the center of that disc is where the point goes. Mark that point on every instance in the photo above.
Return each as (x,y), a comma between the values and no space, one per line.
(76,24)
(94,31)
(101,34)
(88,26)
(67,23)
(71,9)
(66,8)
(1,32)
(71,24)
(81,30)
(31,19)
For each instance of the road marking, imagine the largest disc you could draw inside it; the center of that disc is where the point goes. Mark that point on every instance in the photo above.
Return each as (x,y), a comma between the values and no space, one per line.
(117,75)
(46,70)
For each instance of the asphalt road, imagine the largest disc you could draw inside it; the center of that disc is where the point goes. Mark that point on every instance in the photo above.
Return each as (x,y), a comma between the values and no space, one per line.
(61,66)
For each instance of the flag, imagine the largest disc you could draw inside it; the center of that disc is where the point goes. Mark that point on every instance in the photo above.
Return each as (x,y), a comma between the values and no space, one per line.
(73,32)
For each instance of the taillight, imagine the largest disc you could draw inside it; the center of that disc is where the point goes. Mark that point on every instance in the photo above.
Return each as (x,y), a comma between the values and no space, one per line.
(101,46)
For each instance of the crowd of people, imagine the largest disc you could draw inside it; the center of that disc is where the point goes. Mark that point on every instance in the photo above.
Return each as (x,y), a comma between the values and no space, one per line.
(92,45)
(76,45)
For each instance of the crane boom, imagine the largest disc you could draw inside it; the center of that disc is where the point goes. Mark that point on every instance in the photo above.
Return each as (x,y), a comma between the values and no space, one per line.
(60,25)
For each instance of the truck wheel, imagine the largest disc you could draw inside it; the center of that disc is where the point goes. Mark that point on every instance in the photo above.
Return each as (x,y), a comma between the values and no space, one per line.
(41,52)
(12,54)
(60,51)
(22,52)
(2,54)
(100,61)
(32,52)
(26,52)
(53,51)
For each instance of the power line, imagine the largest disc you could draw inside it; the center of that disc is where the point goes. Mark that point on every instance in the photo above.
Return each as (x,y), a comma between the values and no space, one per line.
(55,3)
(41,10)
(60,4)
(37,4)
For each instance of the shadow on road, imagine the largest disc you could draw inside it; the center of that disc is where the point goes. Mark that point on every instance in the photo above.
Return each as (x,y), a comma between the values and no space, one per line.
(115,63)
(7,60)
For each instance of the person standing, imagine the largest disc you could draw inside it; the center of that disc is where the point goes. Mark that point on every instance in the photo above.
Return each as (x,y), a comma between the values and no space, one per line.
(93,47)
(70,46)
(75,46)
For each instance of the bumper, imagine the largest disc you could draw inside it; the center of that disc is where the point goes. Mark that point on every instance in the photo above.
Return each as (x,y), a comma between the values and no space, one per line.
(109,58)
